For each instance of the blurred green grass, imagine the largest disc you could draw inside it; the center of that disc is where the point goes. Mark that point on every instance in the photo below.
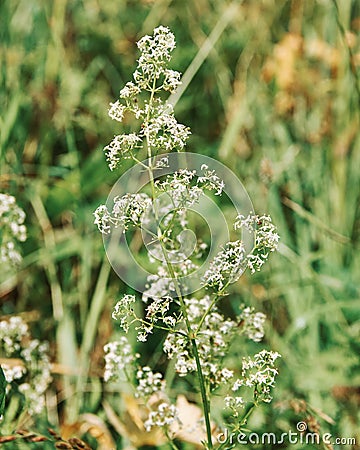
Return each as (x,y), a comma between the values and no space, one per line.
(273,96)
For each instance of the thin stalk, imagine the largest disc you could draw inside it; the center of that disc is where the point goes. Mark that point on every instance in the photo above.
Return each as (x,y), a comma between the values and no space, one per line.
(247,414)
(171,442)
(134,158)
(149,168)
(350,52)
(159,327)
(172,220)
(200,375)
(212,304)
(205,401)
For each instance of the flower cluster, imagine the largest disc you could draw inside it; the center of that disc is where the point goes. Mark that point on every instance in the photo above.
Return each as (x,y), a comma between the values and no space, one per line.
(235,404)
(12,333)
(159,130)
(127,210)
(12,229)
(211,180)
(266,238)
(252,323)
(159,286)
(123,311)
(121,147)
(185,187)
(227,266)
(157,315)
(118,356)
(259,373)
(155,52)
(148,382)
(162,130)
(149,386)
(214,334)
(164,416)
(32,371)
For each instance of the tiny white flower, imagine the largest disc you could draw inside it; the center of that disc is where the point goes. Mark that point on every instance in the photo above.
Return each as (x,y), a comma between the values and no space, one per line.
(130,90)
(118,355)
(13,229)
(116,111)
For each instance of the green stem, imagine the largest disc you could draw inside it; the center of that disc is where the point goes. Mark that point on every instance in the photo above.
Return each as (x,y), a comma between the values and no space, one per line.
(350,52)
(171,442)
(200,375)
(205,401)
(248,412)
(149,168)
(216,298)
(159,327)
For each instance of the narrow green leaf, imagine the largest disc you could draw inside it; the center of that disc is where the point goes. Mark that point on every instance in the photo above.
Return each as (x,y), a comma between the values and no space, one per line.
(3,384)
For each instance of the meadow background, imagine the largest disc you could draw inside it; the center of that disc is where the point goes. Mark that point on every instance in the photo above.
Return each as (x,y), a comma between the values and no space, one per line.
(272,91)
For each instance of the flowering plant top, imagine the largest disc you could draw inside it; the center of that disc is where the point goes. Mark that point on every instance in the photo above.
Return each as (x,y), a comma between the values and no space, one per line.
(198,335)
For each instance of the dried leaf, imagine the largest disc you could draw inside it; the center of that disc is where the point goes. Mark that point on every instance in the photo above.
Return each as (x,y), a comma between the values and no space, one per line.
(133,424)
(63,445)
(38,439)
(191,427)
(89,423)
(4,439)
(78,444)
(54,434)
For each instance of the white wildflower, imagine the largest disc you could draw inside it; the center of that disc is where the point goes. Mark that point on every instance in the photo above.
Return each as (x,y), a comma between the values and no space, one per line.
(162,163)
(180,189)
(252,324)
(121,148)
(13,372)
(155,54)
(235,404)
(128,210)
(213,339)
(170,321)
(35,401)
(164,416)
(226,374)
(102,219)
(205,337)
(118,356)
(227,266)
(129,91)
(163,131)
(159,285)
(116,111)
(12,229)
(172,80)
(266,238)
(12,333)
(148,382)
(123,311)
(211,181)
(259,373)
(34,370)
